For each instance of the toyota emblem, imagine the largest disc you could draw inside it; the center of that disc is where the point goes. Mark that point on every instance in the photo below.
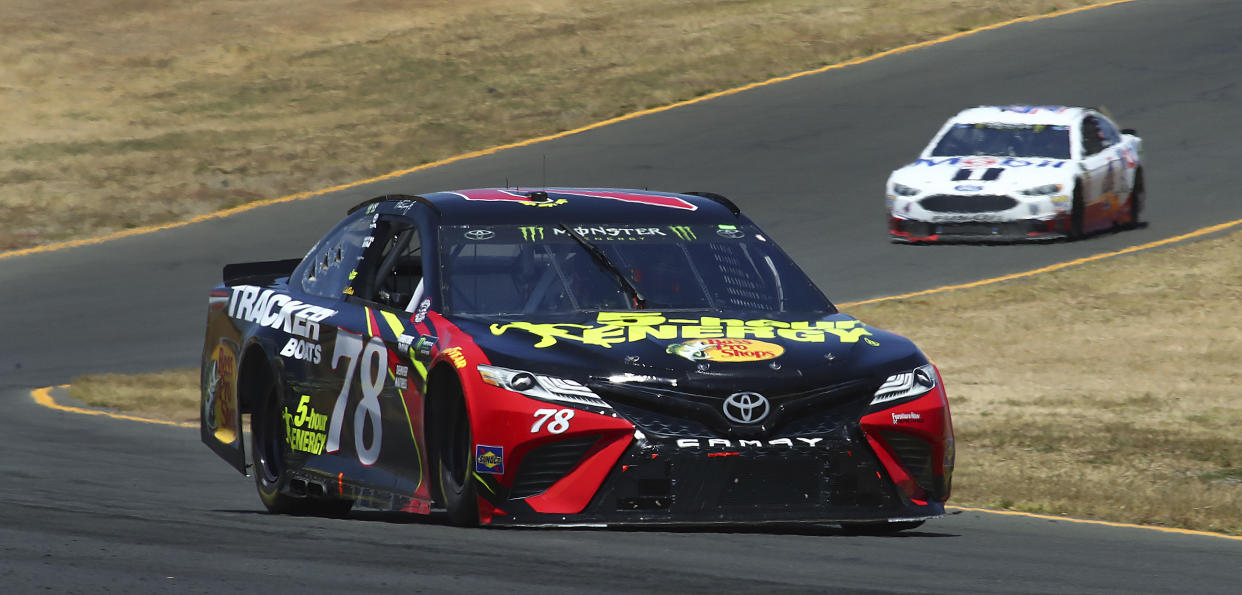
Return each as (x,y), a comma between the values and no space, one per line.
(746,408)
(480,234)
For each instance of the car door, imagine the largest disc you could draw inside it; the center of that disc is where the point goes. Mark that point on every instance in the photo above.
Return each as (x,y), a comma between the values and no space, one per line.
(1118,162)
(381,411)
(1099,178)
(334,380)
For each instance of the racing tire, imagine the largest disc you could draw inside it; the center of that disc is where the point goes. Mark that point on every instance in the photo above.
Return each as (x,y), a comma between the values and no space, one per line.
(1077,214)
(267,455)
(878,528)
(267,450)
(1138,195)
(455,461)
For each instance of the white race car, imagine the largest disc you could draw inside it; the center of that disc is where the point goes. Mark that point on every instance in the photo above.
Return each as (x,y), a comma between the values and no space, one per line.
(1018,172)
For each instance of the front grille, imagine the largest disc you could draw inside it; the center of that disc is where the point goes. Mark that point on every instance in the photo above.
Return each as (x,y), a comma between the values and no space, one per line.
(656,423)
(981,203)
(661,412)
(547,464)
(915,455)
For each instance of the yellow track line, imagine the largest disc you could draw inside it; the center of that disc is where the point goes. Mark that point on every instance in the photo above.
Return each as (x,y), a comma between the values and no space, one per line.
(1095,522)
(1055,267)
(780,79)
(43,396)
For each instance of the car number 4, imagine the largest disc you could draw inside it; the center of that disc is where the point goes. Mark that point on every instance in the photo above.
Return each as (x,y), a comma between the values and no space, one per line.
(560,420)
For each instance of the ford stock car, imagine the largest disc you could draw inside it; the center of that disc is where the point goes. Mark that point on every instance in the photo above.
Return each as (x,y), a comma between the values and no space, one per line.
(1019,172)
(567,357)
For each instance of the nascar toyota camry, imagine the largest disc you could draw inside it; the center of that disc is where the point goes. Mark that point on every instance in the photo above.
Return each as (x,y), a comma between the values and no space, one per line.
(566,356)
(1019,172)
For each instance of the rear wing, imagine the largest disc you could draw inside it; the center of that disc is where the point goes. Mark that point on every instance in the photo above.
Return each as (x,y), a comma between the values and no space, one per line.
(259,273)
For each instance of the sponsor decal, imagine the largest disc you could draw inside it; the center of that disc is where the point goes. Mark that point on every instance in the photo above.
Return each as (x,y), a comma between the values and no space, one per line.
(455,355)
(535,233)
(611,328)
(906,418)
(970,162)
(967,188)
(683,232)
(421,314)
(402,377)
(606,233)
(726,350)
(267,307)
(220,404)
(532,233)
(729,231)
(871,342)
(403,206)
(480,234)
(300,349)
(746,408)
(489,459)
(306,429)
(799,442)
(968,218)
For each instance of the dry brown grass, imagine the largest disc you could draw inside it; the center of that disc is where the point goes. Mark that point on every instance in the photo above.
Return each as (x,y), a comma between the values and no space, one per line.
(1105,391)
(134,112)
(171,396)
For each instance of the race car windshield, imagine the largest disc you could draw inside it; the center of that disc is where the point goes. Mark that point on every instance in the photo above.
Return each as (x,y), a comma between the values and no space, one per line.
(1003,140)
(497,270)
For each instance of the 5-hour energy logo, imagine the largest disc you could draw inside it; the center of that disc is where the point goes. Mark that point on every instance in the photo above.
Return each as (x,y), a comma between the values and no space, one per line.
(306,430)
(611,328)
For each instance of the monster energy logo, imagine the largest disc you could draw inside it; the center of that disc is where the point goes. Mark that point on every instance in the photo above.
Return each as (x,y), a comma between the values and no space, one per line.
(683,232)
(532,233)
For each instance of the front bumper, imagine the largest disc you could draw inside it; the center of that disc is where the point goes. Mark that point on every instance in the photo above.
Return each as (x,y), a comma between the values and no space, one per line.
(914,231)
(833,479)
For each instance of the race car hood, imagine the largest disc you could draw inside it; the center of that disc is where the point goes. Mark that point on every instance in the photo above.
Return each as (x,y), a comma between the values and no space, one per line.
(981,174)
(702,352)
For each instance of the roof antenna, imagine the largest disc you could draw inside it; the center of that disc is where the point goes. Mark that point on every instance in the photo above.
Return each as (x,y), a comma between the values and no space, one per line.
(506,181)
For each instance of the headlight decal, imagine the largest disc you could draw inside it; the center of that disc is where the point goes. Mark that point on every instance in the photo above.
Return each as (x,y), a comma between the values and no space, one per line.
(542,387)
(906,384)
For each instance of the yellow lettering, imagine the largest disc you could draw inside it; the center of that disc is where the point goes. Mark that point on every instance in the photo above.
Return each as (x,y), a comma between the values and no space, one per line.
(638,333)
(850,335)
(801,334)
(766,322)
(702,332)
(713,321)
(630,318)
(758,332)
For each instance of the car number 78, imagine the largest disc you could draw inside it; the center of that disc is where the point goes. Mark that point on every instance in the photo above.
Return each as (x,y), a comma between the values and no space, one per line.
(374,358)
(560,420)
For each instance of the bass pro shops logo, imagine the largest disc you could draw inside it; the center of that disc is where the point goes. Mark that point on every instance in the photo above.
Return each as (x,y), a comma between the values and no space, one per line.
(220,395)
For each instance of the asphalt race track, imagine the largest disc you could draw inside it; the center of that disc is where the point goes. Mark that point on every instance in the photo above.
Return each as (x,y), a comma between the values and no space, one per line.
(93,504)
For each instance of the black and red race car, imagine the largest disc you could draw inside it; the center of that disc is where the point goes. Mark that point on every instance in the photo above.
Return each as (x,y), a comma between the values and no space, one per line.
(569,357)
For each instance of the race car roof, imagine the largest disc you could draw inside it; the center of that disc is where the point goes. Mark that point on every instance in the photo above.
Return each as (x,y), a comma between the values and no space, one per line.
(491,206)
(1049,115)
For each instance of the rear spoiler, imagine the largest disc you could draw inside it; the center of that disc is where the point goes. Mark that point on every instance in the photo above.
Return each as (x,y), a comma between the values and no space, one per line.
(259,273)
